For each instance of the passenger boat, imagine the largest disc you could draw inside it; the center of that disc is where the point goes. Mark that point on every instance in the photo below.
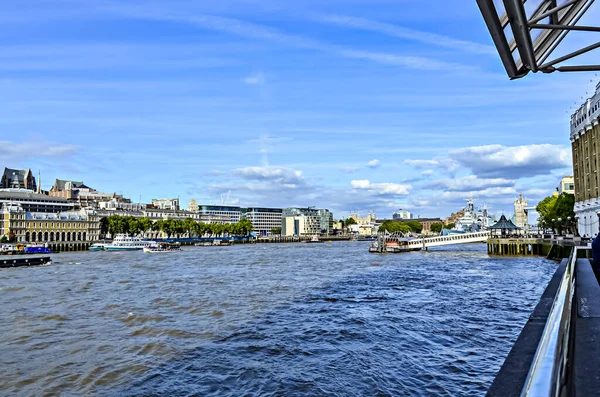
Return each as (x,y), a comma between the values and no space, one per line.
(97,247)
(124,242)
(162,247)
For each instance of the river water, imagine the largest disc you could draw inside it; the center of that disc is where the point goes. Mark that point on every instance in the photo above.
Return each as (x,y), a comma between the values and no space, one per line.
(264,320)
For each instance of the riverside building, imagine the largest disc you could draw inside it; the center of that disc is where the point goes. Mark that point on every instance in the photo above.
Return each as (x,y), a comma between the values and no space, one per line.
(23,226)
(306,221)
(33,202)
(81,195)
(18,179)
(585,145)
(264,220)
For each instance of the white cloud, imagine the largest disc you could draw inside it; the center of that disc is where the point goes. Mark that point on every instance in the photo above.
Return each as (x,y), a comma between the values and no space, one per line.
(427,172)
(411,34)
(513,161)
(17,152)
(255,79)
(381,188)
(282,175)
(373,163)
(422,163)
(262,32)
(348,169)
(471,183)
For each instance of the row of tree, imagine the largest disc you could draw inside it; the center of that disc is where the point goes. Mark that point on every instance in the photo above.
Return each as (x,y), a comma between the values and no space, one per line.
(404,227)
(117,224)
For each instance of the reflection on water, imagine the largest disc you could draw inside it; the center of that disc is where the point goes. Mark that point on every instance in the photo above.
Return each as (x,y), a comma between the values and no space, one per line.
(290,319)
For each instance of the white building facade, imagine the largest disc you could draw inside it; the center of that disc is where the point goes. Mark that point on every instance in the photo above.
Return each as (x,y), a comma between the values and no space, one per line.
(166,204)
(585,144)
(264,220)
(402,214)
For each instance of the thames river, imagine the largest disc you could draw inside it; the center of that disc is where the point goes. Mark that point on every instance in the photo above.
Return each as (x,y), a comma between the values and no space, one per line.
(264,320)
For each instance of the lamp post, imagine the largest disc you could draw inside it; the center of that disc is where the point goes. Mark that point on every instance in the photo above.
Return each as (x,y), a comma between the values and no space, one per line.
(568,225)
(576,221)
(553,221)
(559,226)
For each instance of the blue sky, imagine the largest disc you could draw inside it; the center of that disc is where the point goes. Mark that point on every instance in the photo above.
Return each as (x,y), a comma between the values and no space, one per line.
(369,105)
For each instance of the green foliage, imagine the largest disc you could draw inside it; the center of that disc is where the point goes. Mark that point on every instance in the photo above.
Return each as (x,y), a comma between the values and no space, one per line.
(393,227)
(349,221)
(3,239)
(276,231)
(554,207)
(450,225)
(415,226)
(116,224)
(436,227)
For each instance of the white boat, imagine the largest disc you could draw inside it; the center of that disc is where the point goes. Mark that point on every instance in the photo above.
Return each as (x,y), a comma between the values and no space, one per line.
(162,247)
(97,247)
(124,242)
(314,239)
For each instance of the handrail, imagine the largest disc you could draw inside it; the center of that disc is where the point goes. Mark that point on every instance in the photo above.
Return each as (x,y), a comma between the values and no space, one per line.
(547,372)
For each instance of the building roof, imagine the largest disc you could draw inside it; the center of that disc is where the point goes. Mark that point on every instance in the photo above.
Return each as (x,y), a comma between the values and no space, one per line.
(28,194)
(505,224)
(61,185)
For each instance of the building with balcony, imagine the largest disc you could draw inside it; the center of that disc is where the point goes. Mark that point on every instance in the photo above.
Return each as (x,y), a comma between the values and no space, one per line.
(324,217)
(264,220)
(585,146)
(18,179)
(300,225)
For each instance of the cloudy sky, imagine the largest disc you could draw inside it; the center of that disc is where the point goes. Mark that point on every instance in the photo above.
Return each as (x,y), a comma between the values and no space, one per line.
(369,105)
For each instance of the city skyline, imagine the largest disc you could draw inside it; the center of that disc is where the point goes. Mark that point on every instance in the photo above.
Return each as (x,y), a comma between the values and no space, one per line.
(342,106)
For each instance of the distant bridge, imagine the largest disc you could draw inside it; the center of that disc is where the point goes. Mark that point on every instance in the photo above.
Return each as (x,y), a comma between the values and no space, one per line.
(399,243)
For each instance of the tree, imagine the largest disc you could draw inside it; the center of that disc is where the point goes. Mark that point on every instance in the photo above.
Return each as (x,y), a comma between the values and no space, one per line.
(436,227)
(246,227)
(555,207)
(415,226)
(450,225)
(276,231)
(394,227)
(3,239)
(350,221)
(145,224)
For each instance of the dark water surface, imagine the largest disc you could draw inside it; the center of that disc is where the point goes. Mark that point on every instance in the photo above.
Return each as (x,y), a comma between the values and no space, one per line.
(264,320)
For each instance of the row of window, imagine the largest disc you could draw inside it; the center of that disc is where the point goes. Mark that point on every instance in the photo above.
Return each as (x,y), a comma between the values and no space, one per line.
(593,109)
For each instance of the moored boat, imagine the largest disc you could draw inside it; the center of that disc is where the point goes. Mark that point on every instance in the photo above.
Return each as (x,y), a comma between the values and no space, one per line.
(124,242)
(314,239)
(97,247)
(162,247)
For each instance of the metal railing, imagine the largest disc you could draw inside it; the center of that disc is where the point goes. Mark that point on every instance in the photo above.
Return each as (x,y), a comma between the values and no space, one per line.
(547,373)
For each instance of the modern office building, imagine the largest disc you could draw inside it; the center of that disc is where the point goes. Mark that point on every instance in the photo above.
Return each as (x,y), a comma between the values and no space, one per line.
(585,145)
(264,220)
(18,179)
(300,225)
(33,202)
(233,213)
(324,217)
(401,214)
(166,204)
(567,185)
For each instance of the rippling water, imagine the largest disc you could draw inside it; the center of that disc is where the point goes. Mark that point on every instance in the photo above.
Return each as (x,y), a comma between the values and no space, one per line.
(291,319)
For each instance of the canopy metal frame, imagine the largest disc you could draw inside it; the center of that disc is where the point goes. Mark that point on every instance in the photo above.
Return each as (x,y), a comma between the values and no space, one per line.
(524,53)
